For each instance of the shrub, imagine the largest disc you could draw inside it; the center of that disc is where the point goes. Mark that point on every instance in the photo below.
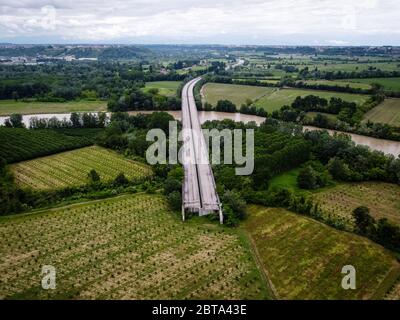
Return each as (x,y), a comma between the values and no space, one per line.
(121,180)
(93,176)
(175,200)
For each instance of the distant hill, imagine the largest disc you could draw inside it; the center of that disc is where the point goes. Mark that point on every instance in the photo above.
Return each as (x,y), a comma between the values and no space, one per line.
(102,52)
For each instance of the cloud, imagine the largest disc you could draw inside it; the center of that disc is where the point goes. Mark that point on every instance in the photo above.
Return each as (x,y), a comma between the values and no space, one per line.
(200,21)
(338,42)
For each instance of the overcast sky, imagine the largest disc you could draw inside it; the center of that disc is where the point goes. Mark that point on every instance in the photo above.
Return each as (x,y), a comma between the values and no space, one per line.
(292,22)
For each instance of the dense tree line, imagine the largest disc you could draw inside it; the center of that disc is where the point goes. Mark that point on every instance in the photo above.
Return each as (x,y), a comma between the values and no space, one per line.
(338,75)
(136,99)
(329,87)
(297,110)
(381,231)
(62,81)
(127,134)
(76,120)
(348,116)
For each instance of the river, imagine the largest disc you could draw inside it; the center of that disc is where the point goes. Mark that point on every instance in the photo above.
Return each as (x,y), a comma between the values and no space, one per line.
(386,146)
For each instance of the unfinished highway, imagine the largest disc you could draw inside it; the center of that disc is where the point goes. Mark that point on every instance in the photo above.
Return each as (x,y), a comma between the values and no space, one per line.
(199,189)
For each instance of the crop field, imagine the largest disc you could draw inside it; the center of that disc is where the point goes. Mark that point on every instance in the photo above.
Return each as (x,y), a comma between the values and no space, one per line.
(386,112)
(71,168)
(280,97)
(391,84)
(304,258)
(8,107)
(128,247)
(351,66)
(22,144)
(165,88)
(235,93)
(383,199)
(340,83)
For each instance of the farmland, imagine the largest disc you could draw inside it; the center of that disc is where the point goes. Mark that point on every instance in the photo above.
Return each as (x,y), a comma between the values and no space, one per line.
(129,247)
(304,258)
(71,168)
(391,84)
(280,97)
(8,107)
(311,115)
(386,112)
(235,93)
(165,88)
(268,98)
(22,144)
(342,83)
(383,199)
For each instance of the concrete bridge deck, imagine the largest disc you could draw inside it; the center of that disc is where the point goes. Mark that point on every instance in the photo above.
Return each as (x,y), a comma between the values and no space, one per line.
(199,189)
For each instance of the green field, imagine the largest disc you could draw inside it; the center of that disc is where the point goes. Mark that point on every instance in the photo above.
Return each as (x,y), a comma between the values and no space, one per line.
(304,258)
(277,98)
(383,199)
(340,83)
(235,93)
(286,180)
(129,247)
(165,88)
(19,144)
(356,67)
(71,168)
(8,107)
(331,117)
(391,84)
(387,112)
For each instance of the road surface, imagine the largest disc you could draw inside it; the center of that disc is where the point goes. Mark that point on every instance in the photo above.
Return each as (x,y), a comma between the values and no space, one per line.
(199,190)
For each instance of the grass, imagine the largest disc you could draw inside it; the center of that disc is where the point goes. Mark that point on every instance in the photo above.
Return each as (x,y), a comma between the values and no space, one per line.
(340,83)
(331,117)
(128,247)
(383,200)
(391,84)
(71,168)
(235,93)
(165,88)
(8,107)
(356,67)
(280,97)
(386,112)
(304,258)
(286,180)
